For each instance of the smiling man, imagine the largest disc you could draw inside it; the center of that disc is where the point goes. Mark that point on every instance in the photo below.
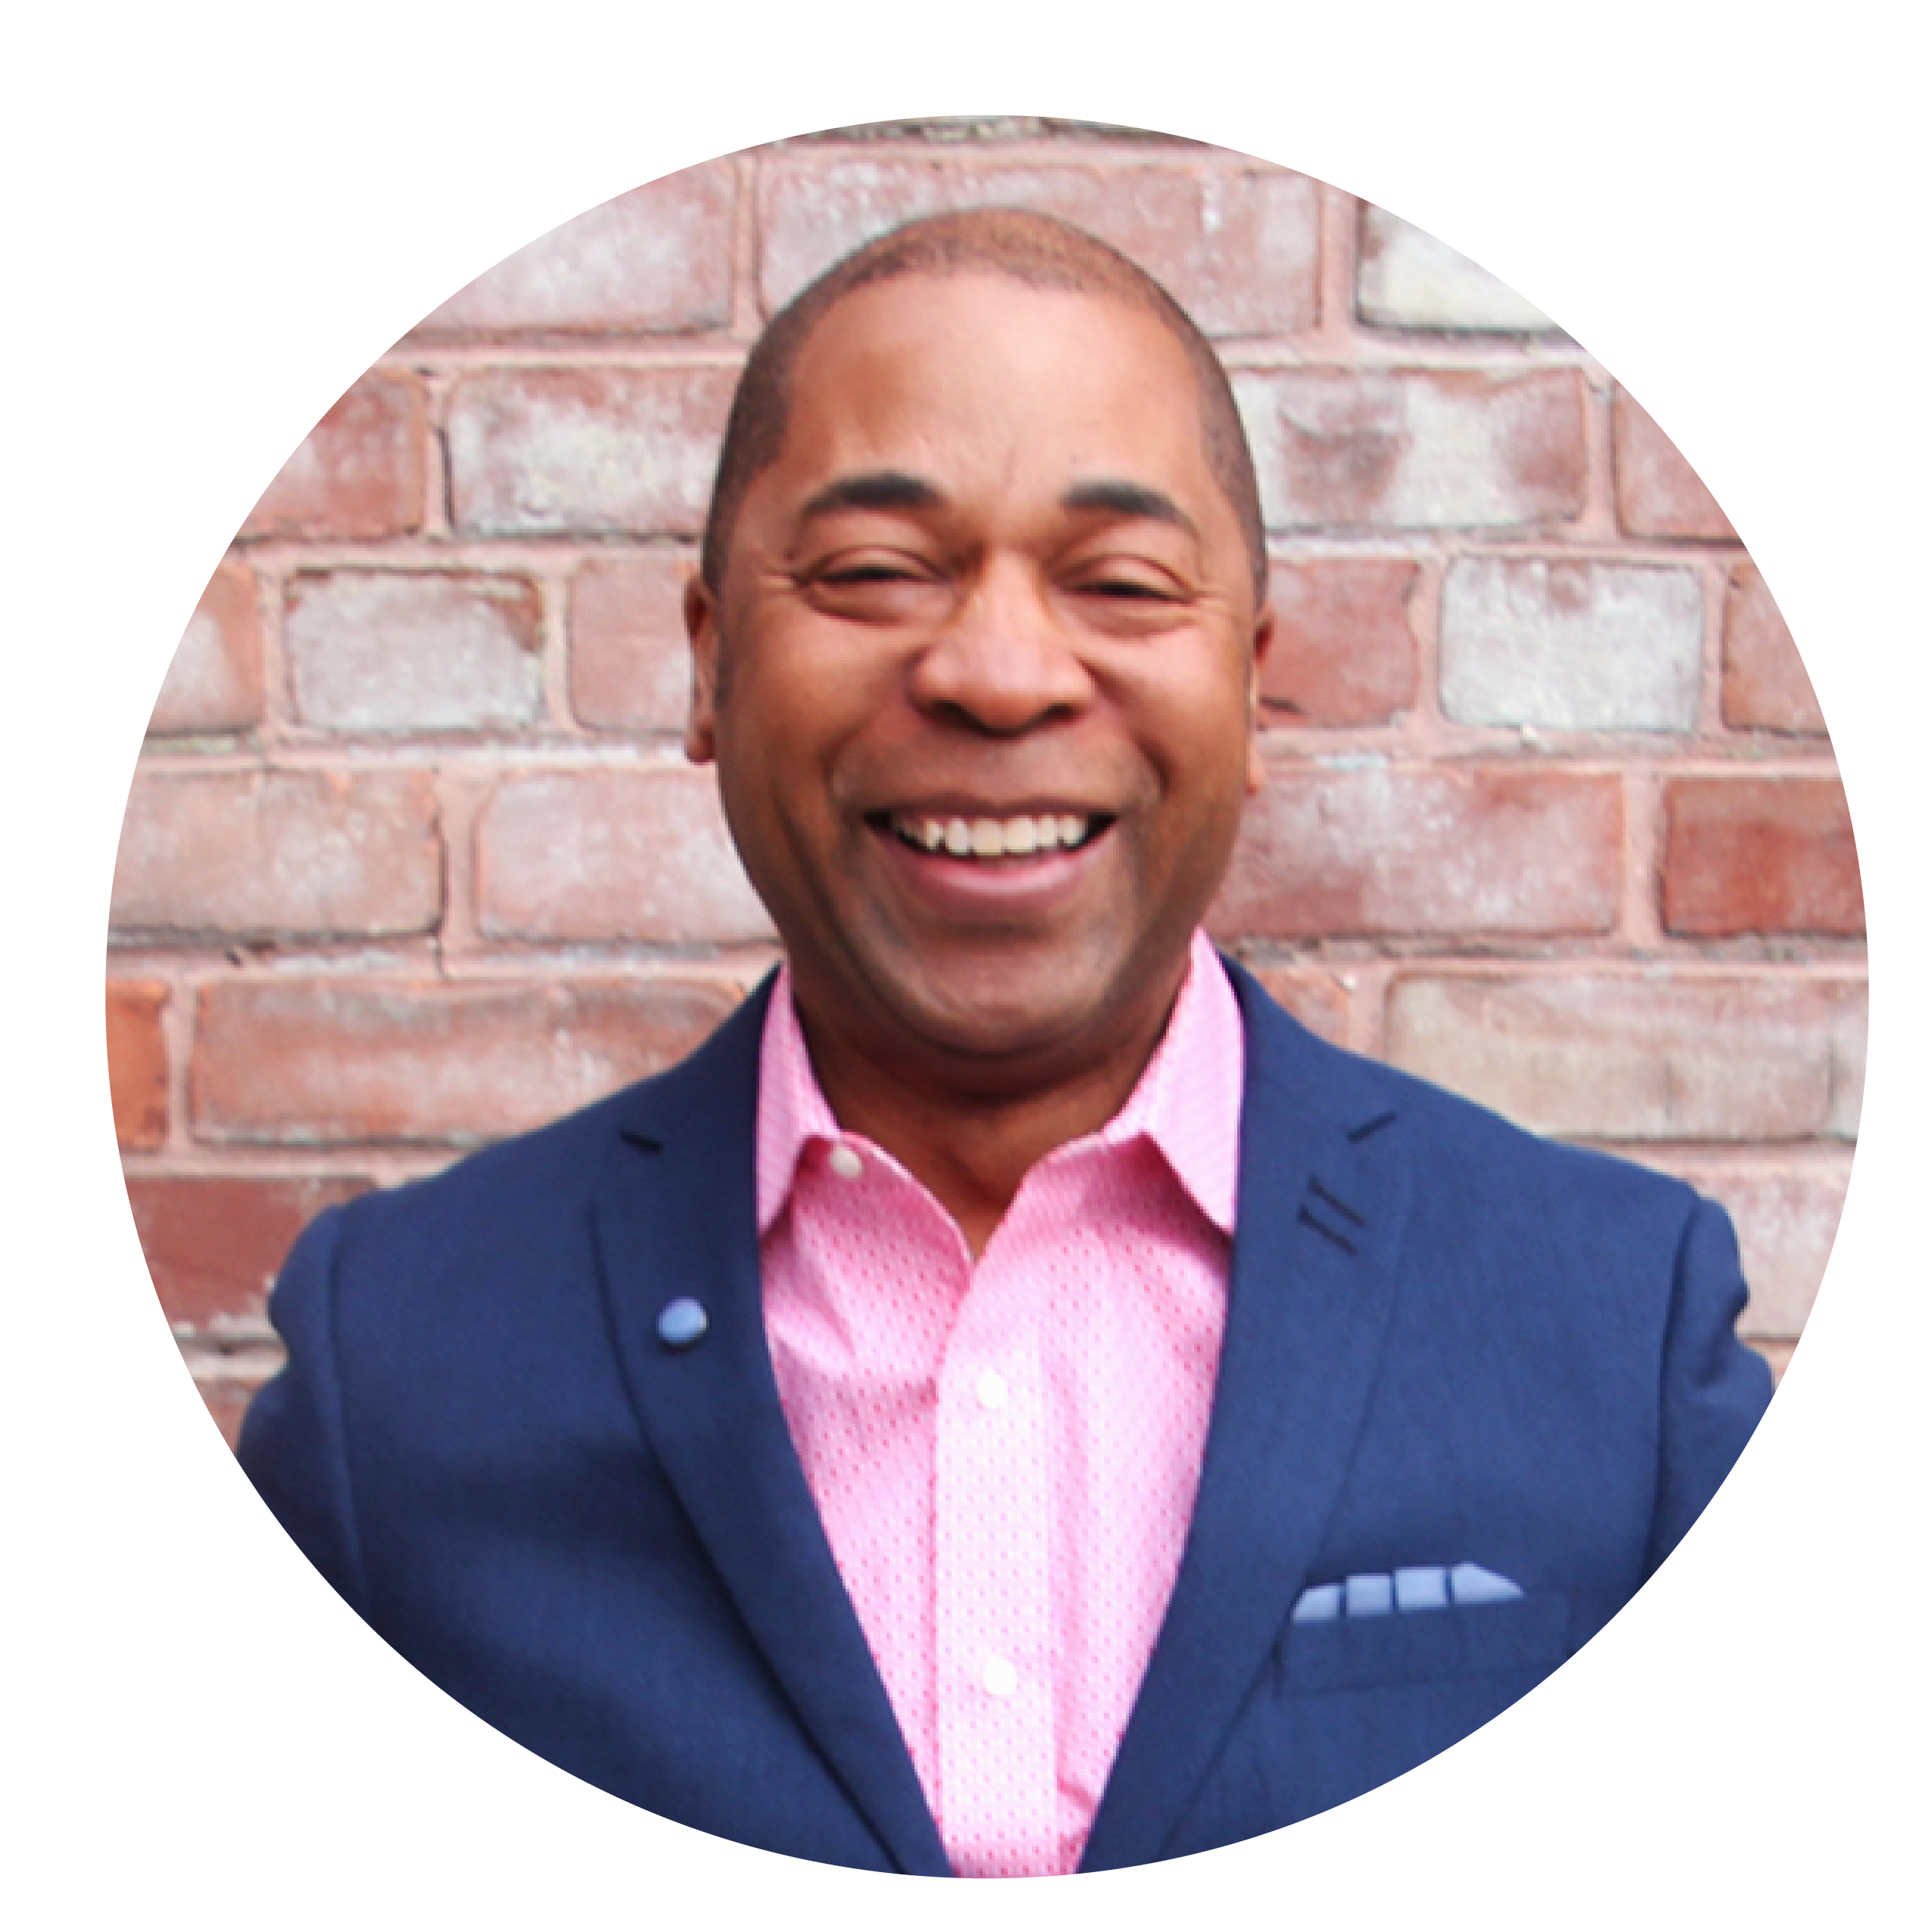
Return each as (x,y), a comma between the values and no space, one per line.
(1013,1402)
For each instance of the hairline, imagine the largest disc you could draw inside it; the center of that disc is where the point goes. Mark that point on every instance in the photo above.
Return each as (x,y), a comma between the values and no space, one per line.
(793,329)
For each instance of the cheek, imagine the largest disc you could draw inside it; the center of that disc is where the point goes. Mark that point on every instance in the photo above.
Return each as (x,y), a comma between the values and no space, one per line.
(783,750)
(1206,784)
(1199,739)
(797,676)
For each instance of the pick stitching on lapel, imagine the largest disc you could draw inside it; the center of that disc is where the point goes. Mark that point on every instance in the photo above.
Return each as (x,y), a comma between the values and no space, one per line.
(1310,1291)
(675,1214)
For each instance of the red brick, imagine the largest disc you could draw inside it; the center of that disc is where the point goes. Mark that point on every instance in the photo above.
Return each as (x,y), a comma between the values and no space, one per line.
(1317,999)
(213,681)
(1347,851)
(214,1244)
(358,472)
(1236,248)
(613,855)
(1415,449)
(1658,494)
(1760,855)
(137,1062)
(1786,1219)
(1765,687)
(312,1062)
(656,261)
(390,651)
(1344,653)
(588,451)
(630,666)
(266,855)
(1640,1056)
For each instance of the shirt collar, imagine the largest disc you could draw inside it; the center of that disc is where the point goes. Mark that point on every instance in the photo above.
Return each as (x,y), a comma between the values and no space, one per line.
(1187,1102)
(793,1111)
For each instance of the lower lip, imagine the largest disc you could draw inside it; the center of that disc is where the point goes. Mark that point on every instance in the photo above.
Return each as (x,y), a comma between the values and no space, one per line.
(999,888)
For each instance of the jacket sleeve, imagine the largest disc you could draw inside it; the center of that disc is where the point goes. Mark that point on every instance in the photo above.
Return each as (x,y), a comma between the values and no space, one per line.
(1714,1389)
(292,1446)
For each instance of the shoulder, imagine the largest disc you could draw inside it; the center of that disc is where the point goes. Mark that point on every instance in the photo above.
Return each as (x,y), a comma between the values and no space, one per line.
(535,1186)
(1456,1151)
(1558,1254)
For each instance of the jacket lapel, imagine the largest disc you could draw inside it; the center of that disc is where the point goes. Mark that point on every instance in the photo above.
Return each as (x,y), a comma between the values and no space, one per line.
(676,1216)
(1324,1200)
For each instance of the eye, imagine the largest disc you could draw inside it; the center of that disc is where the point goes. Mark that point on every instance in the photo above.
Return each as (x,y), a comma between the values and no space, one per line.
(868,573)
(870,563)
(1131,591)
(1126,587)
(875,585)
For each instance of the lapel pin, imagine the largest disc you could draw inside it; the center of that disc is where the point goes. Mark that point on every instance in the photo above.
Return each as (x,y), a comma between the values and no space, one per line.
(682,1322)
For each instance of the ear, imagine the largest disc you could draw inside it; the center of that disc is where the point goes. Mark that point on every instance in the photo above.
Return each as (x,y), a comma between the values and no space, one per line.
(701,627)
(1257,659)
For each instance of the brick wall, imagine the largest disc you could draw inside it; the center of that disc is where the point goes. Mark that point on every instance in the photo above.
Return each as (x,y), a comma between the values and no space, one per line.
(413,859)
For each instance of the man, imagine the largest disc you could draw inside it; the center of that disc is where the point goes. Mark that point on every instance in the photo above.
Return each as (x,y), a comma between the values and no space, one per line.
(1013,1401)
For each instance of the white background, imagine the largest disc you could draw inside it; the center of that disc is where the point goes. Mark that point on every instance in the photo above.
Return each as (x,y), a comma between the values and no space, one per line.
(219,216)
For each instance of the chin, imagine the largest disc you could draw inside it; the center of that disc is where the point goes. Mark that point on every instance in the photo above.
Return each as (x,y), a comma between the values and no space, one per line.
(988,1015)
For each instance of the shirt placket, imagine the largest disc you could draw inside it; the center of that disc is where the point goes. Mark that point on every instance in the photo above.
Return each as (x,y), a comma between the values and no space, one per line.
(993,1665)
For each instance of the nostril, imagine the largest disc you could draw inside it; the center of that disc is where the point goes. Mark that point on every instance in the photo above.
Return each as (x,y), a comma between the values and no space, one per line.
(1001,717)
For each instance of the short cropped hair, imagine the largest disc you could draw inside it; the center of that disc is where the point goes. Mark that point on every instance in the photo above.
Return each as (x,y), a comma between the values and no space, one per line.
(1037,249)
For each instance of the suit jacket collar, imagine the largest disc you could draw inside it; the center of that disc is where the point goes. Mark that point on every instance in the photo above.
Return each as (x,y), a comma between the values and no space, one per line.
(675,1216)
(1323,1203)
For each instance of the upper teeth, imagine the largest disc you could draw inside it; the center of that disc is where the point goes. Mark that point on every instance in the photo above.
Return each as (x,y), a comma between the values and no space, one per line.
(993,838)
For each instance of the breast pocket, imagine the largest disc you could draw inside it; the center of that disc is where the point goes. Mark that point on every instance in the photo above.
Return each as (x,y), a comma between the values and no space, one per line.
(1346,1706)
(1527,1635)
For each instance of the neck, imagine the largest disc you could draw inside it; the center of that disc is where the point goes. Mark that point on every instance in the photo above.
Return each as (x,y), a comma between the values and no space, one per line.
(972,1145)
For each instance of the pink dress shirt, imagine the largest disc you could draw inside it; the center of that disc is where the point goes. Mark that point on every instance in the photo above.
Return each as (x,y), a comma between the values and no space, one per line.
(1006,1454)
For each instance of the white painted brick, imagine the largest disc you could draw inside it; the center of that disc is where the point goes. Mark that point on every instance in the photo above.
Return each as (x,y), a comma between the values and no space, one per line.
(1414,448)
(1847,1055)
(383,651)
(655,259)
(602,451)
(1571,646)
(613,856)
(279,854)
(213,681)
(1406,279)
(1647,1057)
(1785,1220)
(1237,247)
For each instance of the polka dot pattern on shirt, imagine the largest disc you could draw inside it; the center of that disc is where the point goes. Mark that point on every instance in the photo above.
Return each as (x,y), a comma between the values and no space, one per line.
(1009,1562)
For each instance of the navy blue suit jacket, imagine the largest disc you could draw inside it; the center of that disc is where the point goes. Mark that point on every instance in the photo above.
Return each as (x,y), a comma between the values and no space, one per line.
(1446,1341)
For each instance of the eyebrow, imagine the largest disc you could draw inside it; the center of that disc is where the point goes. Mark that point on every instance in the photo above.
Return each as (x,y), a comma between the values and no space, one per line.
(1128,499)
(899,489)
(874,489)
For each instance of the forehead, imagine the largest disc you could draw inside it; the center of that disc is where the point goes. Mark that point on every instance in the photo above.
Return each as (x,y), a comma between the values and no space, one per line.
(977,370)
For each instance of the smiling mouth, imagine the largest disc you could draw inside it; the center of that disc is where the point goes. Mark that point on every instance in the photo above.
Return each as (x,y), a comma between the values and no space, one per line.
(1027,836)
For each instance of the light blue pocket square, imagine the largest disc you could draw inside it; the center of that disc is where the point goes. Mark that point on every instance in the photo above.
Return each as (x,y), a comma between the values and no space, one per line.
(1430,1587)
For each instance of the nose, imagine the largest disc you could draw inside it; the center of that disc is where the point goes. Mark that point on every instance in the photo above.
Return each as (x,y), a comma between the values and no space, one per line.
(1002,664)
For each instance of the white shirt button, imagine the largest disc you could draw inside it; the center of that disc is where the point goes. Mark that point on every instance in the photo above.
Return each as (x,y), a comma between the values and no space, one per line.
(992,1389)
(844,1161)
(1000,1678)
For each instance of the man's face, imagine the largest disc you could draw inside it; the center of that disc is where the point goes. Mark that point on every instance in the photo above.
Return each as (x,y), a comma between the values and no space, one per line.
(979,678)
